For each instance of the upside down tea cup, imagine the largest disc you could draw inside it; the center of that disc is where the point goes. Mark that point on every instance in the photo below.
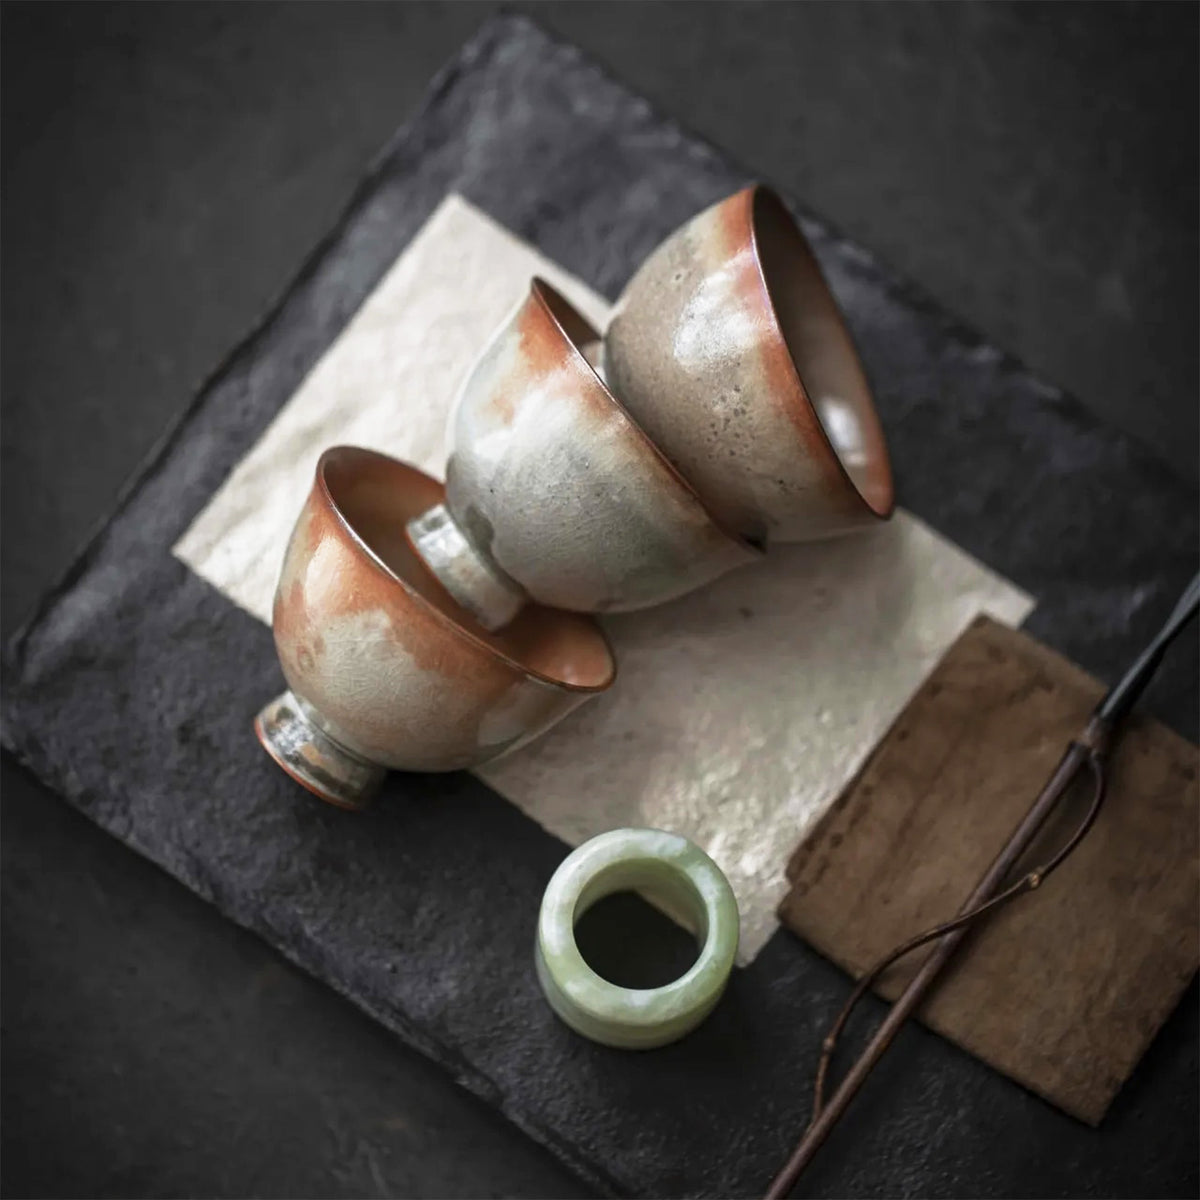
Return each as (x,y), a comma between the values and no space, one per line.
(553,493)
(384,669)
(729,350)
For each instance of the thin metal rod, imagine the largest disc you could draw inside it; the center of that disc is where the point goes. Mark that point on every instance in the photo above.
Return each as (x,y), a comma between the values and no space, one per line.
(1090,749)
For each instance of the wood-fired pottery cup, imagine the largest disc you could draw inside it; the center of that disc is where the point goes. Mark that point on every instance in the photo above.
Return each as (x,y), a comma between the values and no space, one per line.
(554,494)
(729,350)
(385,670)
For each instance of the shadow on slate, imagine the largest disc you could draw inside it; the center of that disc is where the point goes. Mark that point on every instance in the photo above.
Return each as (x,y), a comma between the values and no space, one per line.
(132,692)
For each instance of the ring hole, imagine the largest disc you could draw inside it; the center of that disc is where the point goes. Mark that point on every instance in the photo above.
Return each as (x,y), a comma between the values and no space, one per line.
(628,942)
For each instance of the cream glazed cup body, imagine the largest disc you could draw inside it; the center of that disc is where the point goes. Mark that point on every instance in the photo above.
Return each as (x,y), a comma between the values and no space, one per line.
(554,494)
(729,350)
(385,670)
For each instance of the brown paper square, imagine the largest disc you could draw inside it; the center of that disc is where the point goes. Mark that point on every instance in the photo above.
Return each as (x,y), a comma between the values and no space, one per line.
(1064,989)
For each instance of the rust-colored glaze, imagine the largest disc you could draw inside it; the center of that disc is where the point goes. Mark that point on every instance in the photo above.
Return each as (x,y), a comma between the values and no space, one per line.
(344,585)
(561,333)
(504,398)
(785,388)
(378,649)
(292,625)
(729,349)
(785,371)
(548,337)
(554,486)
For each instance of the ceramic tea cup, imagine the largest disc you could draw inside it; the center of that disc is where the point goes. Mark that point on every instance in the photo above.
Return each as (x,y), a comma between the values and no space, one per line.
(384,669)
(553,493)
(728,349)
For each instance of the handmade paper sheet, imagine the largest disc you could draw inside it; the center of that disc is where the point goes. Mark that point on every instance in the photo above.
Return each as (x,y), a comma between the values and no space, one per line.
(740,711)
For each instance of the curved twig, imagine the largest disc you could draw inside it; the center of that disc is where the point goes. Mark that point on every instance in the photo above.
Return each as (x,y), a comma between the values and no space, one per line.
(1027,883)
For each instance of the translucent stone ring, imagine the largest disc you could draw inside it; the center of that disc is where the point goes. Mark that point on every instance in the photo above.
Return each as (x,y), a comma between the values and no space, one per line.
(675,874)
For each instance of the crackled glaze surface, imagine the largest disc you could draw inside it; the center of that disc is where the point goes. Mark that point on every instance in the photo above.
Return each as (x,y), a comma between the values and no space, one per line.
(553,483)
(728,348)
(669,869)
(397,673)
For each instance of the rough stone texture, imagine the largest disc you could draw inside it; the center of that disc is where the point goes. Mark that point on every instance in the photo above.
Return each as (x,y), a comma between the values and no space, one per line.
(131,691)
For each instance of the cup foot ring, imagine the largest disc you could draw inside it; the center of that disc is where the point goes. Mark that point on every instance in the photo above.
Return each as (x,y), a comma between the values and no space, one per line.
(479,586)
(291,736)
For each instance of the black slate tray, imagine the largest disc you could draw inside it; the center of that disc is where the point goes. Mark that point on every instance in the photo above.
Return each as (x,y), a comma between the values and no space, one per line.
(132,689)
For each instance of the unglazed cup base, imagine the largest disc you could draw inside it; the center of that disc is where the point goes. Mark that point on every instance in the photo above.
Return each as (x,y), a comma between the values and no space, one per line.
(482,589)
(291,735)
(679,876)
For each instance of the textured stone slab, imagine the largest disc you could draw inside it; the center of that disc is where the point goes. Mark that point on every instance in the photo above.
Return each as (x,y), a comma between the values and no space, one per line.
(132,690)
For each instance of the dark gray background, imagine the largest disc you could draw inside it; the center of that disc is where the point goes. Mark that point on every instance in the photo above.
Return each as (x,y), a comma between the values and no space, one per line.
(164,170)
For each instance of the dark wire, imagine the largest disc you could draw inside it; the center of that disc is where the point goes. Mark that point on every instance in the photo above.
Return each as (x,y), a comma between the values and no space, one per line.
(1123,696)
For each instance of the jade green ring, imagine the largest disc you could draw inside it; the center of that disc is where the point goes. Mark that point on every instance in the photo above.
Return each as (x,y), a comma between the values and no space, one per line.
(682,879)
